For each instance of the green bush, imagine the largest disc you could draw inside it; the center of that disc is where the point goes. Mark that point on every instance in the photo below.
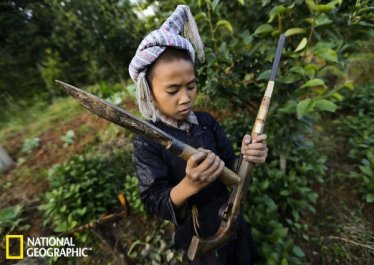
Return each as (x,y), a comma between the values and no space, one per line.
(30,144)
(132,194)
(357,130)
(365,176)
(85,188)
(11,220)
(278,201)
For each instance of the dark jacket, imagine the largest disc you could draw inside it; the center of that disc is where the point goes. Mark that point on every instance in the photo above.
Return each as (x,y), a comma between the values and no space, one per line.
(158,170)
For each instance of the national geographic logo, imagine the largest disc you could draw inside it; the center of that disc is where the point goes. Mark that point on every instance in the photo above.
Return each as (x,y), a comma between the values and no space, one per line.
(42,247)
(8,243)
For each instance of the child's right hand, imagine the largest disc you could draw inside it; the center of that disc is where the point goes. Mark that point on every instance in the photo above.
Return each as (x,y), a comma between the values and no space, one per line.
(203,168)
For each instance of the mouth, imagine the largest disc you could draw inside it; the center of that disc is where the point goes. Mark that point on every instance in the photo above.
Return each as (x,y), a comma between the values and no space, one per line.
(185,111)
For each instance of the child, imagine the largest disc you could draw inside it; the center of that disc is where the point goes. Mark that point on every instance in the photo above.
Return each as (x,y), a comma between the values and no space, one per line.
(186,193)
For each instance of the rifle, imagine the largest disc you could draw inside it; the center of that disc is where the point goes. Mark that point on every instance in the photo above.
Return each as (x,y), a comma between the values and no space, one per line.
(129,121)
(230,212)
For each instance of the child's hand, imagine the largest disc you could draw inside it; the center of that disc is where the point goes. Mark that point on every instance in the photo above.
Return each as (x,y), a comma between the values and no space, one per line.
(203,168)
(255,151)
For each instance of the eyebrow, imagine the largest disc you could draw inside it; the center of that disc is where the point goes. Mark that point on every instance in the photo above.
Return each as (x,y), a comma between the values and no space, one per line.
(178,85)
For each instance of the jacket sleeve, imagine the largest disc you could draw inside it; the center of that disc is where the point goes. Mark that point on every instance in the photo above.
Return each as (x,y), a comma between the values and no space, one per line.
(154,187)
(224,146)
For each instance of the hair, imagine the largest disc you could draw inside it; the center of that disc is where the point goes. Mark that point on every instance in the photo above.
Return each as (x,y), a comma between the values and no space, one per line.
(171,54)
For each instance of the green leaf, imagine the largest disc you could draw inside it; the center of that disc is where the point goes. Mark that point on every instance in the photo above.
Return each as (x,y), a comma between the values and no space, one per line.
(328,54)
(276,11)
(370,198)
(61,227)
(9,214)
(284,262)
(263,29)
(214,4)
(298,70)
(366,170)
(311,70)
(265,184)
(304,106)
(63,208)
(348,84)
(294,31)
(314,82)
(198,17)
(326,7)
(224,23)
(322,20)
(265,75)
(241,2)
(290,78)
(289,107)
(327,105)
(298,252)
(301,45)
(338,96)
(311,5)
(285,193)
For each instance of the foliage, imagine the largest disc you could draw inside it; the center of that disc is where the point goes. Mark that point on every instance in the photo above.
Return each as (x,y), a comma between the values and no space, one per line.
(154,249)
(357,128)
(365,176)
(278,203)
(83,189)
(132,194)
(10,219)
(50,70)
(30,144)
(36,118)
(68,138)
(113,93)
(75,41)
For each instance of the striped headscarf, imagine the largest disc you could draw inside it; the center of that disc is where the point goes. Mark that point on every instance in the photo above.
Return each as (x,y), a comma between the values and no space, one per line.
(154,44)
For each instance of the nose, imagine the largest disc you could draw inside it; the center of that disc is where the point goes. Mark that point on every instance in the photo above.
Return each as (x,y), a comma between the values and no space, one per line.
(185,96)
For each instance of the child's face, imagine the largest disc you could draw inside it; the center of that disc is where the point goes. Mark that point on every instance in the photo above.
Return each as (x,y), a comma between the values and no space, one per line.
(174,88)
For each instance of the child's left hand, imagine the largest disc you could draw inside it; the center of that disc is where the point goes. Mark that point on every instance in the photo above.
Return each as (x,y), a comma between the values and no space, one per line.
(255,151)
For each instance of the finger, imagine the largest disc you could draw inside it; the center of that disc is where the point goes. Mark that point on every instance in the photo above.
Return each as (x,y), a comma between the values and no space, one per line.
(217,172)
(246,140)
(260,138)
(207,162)
(255,159)
(257,153)
(196,159)
(255,146)
(203,150)
(214,166)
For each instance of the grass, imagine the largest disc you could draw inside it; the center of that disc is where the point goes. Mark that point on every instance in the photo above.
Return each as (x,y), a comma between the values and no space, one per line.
(32,121)
(361,65)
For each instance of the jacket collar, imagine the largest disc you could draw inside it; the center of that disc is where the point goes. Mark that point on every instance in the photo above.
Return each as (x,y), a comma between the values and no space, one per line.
(182,125)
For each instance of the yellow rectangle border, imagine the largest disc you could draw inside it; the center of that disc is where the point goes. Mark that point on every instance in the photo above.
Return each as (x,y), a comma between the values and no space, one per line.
(7,256)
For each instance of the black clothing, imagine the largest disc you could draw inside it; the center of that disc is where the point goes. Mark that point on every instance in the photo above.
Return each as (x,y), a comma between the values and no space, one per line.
(158,171)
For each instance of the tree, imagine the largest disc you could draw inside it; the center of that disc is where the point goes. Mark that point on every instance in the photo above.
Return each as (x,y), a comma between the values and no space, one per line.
(78,41)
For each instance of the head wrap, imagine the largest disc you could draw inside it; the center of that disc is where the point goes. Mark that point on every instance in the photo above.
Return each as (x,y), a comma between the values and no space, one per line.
(154,44)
